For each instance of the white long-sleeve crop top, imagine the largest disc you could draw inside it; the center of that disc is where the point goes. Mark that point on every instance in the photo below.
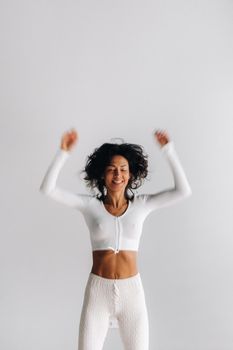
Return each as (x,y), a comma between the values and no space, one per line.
(108,231)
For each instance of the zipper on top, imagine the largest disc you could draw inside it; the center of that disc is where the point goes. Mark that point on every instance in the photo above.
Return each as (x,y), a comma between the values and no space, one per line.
(117,235)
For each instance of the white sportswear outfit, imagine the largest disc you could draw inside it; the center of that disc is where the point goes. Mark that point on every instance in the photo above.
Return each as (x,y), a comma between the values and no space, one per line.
(120,300)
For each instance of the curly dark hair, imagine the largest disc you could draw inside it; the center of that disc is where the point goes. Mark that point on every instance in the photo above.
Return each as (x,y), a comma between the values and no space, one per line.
(101,157)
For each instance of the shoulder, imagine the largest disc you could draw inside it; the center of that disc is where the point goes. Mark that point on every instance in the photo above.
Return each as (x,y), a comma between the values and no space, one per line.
(84,199)
(139,198)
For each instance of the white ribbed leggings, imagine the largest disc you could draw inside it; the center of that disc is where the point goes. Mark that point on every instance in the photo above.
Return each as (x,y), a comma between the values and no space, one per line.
(121,298)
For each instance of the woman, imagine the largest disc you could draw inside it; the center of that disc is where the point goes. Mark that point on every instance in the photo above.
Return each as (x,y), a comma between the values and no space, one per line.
(114,288)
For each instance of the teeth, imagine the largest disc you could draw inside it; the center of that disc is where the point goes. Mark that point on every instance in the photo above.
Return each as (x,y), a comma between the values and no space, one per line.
(117,182)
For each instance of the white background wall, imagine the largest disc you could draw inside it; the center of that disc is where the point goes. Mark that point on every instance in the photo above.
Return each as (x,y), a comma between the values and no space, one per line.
(116,69)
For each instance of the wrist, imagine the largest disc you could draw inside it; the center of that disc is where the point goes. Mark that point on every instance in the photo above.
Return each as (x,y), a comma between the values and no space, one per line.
(64,149)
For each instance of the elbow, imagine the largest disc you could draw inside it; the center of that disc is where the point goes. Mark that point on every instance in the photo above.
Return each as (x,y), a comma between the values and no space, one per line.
(185,192)
(43,189)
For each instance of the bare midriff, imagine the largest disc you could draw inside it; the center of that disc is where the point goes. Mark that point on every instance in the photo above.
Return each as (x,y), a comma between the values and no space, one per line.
(108,264)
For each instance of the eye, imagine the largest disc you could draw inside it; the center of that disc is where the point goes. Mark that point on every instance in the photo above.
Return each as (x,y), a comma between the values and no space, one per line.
(112,169)
(109,169)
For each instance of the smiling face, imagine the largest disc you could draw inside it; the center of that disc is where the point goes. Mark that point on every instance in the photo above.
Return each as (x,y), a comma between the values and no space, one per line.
(117,174)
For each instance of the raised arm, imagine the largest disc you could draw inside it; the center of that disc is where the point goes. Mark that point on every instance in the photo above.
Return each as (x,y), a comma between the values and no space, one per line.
(181,188)
(49,184)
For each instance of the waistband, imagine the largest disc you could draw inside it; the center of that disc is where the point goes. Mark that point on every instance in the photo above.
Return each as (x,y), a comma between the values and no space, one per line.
(128,281)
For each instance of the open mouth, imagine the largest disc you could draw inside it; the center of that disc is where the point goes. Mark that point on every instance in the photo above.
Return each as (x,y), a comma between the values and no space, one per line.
(117,182)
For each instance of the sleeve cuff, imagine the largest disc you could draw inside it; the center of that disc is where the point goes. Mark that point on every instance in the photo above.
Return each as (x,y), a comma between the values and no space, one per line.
(63,153)
(167,147)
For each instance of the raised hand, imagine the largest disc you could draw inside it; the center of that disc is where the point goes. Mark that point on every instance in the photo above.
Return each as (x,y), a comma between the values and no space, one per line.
(69,139)
(162,137)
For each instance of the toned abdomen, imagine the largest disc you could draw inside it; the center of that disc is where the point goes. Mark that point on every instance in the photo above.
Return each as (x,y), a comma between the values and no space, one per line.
(108,264)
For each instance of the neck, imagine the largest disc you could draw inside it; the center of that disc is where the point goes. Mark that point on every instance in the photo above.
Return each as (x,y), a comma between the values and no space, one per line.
(116,200)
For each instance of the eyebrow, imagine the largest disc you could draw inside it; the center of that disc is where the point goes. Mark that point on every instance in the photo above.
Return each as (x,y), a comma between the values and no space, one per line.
(112,164)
